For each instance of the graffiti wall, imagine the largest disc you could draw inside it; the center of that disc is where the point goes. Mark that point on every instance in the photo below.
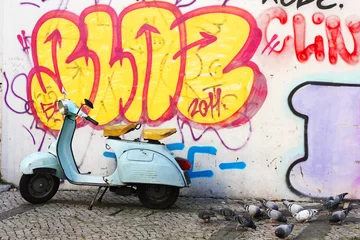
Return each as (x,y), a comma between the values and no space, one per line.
(264,94)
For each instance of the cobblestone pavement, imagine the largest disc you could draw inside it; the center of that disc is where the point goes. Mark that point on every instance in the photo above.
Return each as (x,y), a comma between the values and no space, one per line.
(66,217)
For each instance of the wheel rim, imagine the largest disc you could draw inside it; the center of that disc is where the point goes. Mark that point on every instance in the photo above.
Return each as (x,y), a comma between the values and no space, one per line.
(41,185)
(158,193)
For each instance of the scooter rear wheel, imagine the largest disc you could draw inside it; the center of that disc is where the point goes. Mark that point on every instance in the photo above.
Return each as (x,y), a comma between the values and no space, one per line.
(157,196)
(38,188)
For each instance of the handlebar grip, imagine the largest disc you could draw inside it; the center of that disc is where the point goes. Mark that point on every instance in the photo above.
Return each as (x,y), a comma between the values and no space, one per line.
(91,120)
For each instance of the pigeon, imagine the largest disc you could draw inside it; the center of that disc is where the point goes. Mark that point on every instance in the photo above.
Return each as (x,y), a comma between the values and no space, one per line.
(339,216)
(284,230)
(269,204)
(332,203)
(244,222)
(227,213)
(305,215)
(275,215)
(254,211)
(206,215)
(293,208)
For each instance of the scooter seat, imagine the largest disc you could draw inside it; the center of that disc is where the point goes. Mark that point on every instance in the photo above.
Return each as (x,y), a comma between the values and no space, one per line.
(158,134)
(117,131)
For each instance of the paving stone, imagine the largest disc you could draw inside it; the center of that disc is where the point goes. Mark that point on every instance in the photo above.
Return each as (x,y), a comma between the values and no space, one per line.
(66,217)
(4,187)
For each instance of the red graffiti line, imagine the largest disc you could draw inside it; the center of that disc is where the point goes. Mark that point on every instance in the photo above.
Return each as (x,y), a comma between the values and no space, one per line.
(202,106)
(269,45)
(259,90)
(206,40)
(169,113)
(250,47)
(303,53)
(147,31)
(55,38)
(334,35)
(23,40)
(336,40)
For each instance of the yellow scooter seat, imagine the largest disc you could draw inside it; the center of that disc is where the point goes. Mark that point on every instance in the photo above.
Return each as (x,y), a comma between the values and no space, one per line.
(117,131)
(158,134)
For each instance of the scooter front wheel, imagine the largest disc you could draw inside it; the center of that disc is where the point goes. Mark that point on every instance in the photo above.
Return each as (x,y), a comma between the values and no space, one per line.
(38,188)
(157,196)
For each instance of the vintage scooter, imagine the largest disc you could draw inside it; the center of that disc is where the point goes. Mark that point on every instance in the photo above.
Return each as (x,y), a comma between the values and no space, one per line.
(144,167)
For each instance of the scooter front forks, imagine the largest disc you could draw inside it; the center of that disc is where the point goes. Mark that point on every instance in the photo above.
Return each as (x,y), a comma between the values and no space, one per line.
(100,198)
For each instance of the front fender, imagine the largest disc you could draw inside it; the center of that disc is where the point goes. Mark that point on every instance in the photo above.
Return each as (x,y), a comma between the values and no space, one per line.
(41,160)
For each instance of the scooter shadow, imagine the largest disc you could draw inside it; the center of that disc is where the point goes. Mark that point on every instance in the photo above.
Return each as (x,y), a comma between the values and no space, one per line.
(103,204)
(123,203)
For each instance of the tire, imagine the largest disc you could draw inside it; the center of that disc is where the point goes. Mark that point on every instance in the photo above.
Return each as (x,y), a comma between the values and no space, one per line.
(157,196)
(38,188)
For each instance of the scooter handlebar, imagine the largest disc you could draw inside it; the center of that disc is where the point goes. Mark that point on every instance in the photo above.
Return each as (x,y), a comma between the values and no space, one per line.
(91,120)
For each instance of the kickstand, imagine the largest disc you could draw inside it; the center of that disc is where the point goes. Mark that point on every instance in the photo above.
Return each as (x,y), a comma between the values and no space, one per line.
(102,195)
(93,201)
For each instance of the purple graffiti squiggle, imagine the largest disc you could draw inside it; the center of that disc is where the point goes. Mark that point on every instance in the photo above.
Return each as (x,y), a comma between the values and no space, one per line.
(33,138)
(32,124)
(7,91)
(44,135)
(181,126)
(225,2)
(30,3)
(184,5)
(26,108)
(26,103)
(43,138)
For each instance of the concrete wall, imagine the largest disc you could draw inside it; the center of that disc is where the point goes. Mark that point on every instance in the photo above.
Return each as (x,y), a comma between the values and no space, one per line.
(265,97)
(1,65)
(1,36)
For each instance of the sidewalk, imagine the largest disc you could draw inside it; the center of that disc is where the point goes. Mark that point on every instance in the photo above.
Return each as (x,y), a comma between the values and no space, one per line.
(4,187)
(66,217)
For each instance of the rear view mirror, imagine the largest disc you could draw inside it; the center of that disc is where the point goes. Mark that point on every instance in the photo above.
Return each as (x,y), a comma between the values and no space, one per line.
(88,103)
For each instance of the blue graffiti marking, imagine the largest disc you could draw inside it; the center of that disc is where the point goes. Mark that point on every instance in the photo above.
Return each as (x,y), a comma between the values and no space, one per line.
(109,155)
(191,158)
(175,146)
(232,165)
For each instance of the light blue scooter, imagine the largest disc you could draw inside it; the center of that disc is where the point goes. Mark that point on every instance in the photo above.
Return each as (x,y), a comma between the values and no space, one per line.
(144,167)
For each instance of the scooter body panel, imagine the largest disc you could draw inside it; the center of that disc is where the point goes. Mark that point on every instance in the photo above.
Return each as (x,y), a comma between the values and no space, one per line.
(141,162)
(137,162)
(67,162)
(41,160)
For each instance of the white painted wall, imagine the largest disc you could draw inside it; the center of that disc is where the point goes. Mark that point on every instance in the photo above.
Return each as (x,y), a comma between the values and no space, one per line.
(1,63)
(1,30)
(274,137)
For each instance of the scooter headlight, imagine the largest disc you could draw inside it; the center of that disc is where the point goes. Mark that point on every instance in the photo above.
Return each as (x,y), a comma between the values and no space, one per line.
(63,108)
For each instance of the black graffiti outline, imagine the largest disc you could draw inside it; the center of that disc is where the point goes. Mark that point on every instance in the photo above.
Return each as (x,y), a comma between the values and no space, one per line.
(306,122)
(302,3)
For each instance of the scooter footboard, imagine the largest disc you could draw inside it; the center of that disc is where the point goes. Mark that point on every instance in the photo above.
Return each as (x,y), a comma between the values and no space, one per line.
(41,162)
